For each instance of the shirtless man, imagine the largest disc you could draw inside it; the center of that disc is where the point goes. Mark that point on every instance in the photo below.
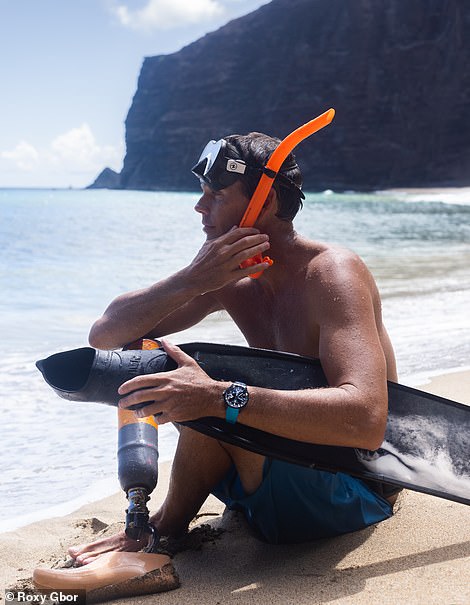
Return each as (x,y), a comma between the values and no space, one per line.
(317,300)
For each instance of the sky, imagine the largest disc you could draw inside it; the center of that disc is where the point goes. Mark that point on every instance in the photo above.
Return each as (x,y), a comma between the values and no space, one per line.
(69,70)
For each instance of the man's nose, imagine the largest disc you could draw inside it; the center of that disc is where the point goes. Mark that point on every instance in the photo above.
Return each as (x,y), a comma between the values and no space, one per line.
(202,205)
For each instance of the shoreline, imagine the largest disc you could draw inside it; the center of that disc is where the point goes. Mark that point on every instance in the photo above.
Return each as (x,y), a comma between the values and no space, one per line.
(446,195)
(427,378)
(451,193)
(427,542)
(428,190)
(96,492)
(452,384)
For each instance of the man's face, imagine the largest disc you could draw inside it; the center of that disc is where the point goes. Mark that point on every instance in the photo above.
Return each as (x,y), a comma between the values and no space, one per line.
(221,210)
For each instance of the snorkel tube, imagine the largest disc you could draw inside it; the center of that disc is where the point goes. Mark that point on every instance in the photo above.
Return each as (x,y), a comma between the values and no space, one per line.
(269,174)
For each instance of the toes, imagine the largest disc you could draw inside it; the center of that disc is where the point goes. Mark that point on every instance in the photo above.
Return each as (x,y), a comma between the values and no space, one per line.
(85,559)
(74,551)
(85,552)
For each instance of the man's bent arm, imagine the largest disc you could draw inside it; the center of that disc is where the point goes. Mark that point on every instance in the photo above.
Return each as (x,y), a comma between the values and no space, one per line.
(353,410)
(182,299)
(135,314)
(351,415)
(329,416)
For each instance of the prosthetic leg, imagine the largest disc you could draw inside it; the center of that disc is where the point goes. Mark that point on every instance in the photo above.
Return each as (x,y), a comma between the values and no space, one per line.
(121,574)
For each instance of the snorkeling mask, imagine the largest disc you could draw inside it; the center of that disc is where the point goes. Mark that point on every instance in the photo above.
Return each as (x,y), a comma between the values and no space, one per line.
(218,170)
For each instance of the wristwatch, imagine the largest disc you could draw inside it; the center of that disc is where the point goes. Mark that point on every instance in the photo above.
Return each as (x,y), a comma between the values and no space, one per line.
(235,397)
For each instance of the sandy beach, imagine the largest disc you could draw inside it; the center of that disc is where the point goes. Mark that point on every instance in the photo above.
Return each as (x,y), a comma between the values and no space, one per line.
(419,556)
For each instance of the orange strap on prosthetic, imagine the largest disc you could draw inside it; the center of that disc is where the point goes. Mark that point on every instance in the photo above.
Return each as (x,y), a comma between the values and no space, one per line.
(271,170)
(128,416)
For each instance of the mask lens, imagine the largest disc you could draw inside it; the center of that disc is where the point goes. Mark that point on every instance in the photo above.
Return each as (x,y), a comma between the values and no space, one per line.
(208,157)
(212,166)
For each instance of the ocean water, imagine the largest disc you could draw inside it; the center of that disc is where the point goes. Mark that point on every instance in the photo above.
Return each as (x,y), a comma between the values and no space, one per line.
(65,254)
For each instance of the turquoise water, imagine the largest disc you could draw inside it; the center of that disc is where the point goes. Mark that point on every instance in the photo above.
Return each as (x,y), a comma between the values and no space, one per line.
(65,254)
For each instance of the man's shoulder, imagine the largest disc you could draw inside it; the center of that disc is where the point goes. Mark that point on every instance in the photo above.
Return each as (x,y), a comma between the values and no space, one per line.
(337,273)
(334,259)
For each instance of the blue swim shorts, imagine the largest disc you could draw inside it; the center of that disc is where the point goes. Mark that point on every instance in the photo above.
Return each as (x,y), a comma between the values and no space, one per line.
(297,504)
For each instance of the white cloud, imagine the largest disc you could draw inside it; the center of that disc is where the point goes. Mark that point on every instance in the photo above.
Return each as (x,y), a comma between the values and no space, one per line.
(72,158)
(167,14)
(24,155)
(78,148)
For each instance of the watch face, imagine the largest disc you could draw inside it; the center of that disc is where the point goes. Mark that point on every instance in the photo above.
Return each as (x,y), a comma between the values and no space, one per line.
(236,396)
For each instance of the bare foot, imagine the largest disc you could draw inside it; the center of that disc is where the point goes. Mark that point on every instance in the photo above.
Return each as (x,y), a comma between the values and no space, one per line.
(86,553)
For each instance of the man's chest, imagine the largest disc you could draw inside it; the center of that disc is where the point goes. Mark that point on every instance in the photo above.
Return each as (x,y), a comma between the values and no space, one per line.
(283,322)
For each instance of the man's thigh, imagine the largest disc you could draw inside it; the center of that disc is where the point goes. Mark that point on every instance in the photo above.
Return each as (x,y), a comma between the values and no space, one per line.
(248,464)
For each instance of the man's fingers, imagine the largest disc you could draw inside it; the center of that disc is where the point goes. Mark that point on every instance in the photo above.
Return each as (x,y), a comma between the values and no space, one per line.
(143,398)
(248,243)
(251,252)
(237,233)
(153,409)
(176,353)
(253,269)
(145,381)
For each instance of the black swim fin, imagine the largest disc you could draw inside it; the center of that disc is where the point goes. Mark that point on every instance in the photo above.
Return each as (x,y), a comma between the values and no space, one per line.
(427,440)
(88,374)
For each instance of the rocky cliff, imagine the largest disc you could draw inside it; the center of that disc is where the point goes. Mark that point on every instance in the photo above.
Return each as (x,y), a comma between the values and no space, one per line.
(396,72)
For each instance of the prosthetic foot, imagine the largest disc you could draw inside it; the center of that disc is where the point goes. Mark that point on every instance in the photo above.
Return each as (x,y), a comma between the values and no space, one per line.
(113,575)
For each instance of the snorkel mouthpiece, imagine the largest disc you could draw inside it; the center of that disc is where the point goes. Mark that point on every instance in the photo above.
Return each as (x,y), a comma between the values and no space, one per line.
(269,174)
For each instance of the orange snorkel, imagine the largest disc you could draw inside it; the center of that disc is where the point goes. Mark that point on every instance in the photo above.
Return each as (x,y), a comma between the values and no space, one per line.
(272,167)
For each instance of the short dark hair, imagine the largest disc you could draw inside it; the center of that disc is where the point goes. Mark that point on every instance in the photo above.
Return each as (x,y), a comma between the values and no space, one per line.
(255,148)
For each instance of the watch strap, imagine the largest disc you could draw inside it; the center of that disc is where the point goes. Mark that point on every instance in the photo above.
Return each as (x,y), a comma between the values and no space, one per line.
(231,414)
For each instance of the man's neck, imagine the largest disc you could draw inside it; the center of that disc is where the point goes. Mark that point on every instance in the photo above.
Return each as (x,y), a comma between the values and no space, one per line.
(284,242)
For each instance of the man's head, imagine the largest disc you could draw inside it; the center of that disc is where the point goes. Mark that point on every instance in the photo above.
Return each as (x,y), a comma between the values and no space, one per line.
(243,158)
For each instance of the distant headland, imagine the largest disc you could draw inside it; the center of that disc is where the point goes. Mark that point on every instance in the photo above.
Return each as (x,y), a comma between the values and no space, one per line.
(396,73)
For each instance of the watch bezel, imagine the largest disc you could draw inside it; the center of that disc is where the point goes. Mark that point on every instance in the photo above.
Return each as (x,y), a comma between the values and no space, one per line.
(233,393)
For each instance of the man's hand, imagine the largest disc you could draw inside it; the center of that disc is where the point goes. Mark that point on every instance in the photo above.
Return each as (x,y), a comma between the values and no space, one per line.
(183,394)
(218,261)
